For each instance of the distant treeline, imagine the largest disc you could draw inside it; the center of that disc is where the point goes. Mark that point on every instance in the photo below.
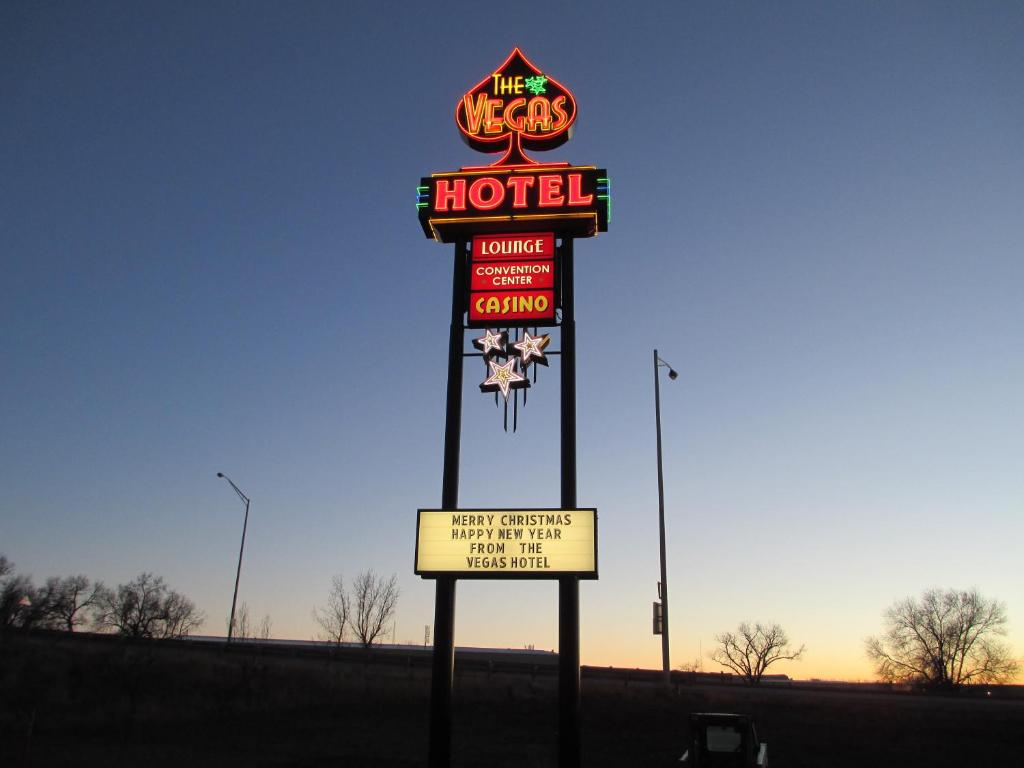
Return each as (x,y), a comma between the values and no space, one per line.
(142,607)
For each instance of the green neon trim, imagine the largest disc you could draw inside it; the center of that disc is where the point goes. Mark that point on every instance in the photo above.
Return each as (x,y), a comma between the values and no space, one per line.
(422,189)
(422,205)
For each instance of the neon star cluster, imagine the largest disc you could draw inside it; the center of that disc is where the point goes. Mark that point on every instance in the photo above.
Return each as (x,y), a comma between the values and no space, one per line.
(510,375)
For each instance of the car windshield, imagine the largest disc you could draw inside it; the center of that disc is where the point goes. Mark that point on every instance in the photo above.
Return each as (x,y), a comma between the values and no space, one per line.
(723,738)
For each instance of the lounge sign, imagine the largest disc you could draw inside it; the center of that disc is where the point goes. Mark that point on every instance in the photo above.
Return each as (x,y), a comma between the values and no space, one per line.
(507,543)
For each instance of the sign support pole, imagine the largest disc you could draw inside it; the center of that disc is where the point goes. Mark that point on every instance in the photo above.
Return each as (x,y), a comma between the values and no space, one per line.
(439,755)
(568,586)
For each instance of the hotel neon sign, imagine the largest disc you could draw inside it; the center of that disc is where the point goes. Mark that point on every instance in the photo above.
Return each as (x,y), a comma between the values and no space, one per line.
(515,108)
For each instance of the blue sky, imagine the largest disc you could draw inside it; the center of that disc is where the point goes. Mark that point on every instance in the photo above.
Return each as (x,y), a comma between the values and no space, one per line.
(210,261)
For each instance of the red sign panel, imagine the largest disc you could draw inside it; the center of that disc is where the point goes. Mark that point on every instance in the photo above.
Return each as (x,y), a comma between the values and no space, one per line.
(511,275)
(526,246)
(497,308)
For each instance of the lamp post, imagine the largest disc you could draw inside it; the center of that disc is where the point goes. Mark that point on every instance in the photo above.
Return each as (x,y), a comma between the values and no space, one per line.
(663,592)
(238,573)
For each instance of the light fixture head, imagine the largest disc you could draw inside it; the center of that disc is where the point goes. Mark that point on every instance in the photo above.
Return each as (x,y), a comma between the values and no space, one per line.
(220,474)
(673,374)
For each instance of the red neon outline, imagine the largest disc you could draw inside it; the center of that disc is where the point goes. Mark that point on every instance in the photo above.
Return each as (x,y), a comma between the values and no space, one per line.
(496,199)
(515,155)
(553,189)
(494,123)
(483,109)
(489,77)
(540,101)
(532,166)
(517,102)
(520,183)
(450,193)
(574,195)
(540,191)
(515,151)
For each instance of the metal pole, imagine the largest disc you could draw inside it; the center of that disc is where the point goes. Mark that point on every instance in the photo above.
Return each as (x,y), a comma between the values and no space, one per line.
(665,665)
(439,752)
(568,586)
(238,572)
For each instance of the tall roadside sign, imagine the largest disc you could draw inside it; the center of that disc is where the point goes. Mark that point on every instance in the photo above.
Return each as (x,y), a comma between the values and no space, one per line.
(513,224)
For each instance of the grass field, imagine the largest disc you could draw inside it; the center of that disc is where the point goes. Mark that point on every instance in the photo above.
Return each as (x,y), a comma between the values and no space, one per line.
(100,701)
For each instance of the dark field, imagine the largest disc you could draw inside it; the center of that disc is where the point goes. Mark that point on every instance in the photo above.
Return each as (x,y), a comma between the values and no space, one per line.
(86,701)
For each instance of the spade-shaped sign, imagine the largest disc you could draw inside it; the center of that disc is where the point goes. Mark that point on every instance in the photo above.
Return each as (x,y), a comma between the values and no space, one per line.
(516,107)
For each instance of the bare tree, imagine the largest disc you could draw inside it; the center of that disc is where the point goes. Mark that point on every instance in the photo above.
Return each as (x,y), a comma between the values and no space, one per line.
(241,630)
(70,600)
(373,602)
(145,607)
(17,599)
(692,666)
(945,639)
(133,608)
(180,616)
(266,624)
(21,604)
(751,650)
(245,628)
(334,618)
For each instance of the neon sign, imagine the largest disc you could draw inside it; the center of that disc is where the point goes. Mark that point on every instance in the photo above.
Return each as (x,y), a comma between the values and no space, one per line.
(514,108)
(520,215)
(532,246)
(503,275)
(572,200)
(514,292)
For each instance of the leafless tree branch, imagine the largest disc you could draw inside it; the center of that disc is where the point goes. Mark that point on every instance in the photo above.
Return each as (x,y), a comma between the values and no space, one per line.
(751,650)
(374,601)
(145,607)
(334,617)
(944,639)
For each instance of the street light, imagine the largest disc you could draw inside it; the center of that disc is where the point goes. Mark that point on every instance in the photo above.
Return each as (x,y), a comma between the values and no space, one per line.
(663,591)
(238,573)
